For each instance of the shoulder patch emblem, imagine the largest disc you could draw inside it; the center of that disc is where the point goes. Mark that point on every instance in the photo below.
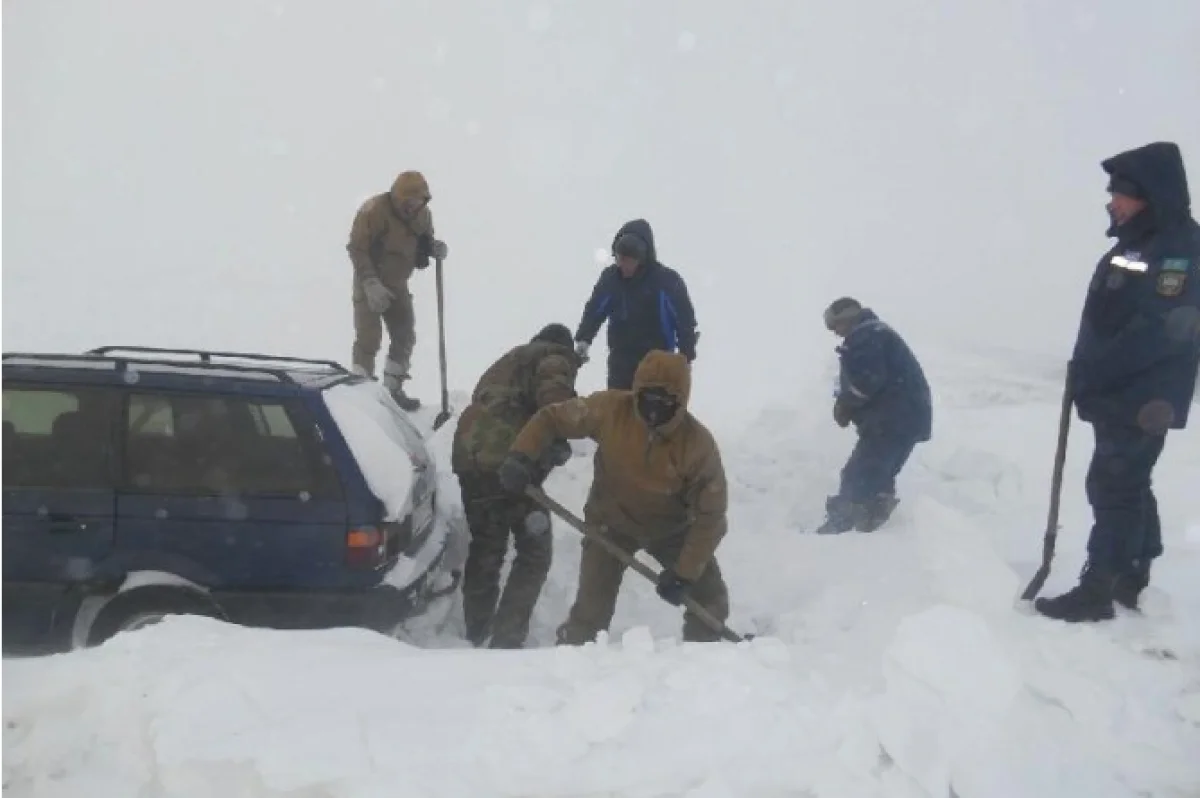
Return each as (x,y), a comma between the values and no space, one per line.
(1176,265)
(1170,283)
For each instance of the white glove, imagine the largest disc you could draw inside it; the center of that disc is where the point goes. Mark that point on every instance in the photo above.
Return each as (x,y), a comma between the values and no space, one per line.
(379,299)
(440,250)
(581,349)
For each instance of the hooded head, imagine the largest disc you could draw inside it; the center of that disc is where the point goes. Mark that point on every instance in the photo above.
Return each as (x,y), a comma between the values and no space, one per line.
(1153,173)
(410,193)
(635,241)
(556,334)
(662,375)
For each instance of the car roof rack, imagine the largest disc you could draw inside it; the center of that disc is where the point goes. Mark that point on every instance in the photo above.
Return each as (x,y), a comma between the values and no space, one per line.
(207,357)
(281,368)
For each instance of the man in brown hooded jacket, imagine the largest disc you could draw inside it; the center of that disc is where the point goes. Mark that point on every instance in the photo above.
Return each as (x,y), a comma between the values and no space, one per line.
(658,484)
(525,378)
(392,234)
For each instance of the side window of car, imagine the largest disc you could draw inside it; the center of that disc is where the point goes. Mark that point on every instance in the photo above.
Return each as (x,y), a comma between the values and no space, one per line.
(220,445)
(58,437)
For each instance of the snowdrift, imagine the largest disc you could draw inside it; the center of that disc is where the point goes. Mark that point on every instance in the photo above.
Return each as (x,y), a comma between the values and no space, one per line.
(892,664)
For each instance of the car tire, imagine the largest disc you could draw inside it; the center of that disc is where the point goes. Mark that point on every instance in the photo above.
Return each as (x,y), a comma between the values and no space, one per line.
(143,606)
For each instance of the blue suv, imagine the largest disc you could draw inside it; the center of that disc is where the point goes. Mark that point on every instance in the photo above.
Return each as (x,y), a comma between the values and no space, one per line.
(265,491)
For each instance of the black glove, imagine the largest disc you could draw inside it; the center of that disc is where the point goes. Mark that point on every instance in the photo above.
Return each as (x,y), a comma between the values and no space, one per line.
(517,472)
(424,250)
(558,453)
(671,588)
(842,414)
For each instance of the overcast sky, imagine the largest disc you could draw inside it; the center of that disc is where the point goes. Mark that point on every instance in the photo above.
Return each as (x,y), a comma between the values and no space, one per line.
(185,173)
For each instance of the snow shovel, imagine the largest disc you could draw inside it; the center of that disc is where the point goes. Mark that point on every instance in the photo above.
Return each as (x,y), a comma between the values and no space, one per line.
(444,415)
(697,609)
(1060,457)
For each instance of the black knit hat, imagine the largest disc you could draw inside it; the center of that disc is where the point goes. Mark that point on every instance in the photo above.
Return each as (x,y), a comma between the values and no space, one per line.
(556,334)
(1119,184)
(842,311)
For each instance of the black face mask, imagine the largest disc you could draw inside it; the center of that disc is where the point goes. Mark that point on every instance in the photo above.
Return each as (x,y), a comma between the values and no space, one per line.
(656,406)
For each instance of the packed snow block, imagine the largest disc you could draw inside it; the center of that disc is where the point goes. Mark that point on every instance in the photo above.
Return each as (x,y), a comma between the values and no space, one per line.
(950,688)
(966,568)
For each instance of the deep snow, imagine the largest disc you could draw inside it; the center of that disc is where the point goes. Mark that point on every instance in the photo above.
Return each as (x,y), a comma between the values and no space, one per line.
(894,664)
(185,174)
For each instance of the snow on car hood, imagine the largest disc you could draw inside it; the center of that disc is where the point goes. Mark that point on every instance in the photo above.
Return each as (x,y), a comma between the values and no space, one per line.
(361,411)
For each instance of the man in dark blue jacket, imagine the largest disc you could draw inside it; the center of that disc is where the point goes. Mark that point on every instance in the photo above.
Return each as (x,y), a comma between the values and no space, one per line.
(645,303)
(882,391)
(1133,372)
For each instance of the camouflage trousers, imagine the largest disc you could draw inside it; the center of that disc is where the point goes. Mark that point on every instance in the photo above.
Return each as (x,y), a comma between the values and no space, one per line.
(368,333)
(600,576)
(494,516)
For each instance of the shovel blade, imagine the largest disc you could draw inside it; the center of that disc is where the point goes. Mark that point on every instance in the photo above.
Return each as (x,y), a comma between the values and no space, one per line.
(1035,585)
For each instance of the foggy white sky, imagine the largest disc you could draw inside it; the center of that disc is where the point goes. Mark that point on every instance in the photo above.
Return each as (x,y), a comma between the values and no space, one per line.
(185,173)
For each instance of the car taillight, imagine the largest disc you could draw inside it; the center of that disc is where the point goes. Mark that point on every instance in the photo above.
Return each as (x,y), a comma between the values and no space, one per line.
(365,547)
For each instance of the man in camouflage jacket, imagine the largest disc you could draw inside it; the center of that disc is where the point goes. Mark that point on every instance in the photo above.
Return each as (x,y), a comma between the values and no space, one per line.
(526,378)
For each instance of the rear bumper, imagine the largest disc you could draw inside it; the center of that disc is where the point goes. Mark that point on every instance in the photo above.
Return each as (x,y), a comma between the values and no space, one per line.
(379,608)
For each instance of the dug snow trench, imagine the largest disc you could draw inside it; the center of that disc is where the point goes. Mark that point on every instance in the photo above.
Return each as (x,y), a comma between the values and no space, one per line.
(892,664)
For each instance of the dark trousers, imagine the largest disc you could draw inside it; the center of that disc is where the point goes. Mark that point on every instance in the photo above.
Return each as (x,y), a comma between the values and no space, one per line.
(1127,533)
(873,467)
(621,368)
(495,518)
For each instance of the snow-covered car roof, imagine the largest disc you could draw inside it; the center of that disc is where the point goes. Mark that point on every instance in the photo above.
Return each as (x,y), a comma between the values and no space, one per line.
(384,443)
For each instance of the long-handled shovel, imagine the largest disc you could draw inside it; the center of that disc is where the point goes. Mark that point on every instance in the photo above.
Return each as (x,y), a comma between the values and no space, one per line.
(1060,457)
(444,415)
(697,609)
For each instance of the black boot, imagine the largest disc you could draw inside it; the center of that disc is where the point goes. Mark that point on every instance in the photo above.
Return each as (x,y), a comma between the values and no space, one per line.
(407,403)
(1130,584)
(840,516)
(395,385)
(877,512)
(1091,600)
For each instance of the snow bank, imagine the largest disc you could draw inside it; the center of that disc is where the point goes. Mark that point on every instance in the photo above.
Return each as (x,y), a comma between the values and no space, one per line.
(195,707)
(361,411)
(897,663)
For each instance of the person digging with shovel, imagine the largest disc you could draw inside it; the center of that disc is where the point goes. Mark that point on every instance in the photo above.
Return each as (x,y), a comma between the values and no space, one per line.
(658,484)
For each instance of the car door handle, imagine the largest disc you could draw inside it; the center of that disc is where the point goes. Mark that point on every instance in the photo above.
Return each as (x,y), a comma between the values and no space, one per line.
(61,523)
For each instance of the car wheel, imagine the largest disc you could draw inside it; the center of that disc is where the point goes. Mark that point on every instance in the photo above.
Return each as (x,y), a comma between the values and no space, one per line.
(145,606)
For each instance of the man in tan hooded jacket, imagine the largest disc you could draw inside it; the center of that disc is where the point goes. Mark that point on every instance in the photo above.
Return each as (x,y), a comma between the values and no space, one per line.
(392,234)
(658,484)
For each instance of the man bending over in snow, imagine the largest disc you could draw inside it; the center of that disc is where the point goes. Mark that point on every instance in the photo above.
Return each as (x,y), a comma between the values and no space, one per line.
(883,392)
(658,484)
(525,378)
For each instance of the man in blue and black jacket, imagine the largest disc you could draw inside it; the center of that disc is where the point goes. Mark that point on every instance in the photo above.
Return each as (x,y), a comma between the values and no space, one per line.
(1133,372)
(882,391)
(645,303)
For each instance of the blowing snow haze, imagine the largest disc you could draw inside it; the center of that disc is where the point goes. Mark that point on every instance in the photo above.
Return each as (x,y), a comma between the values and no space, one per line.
(186,173)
